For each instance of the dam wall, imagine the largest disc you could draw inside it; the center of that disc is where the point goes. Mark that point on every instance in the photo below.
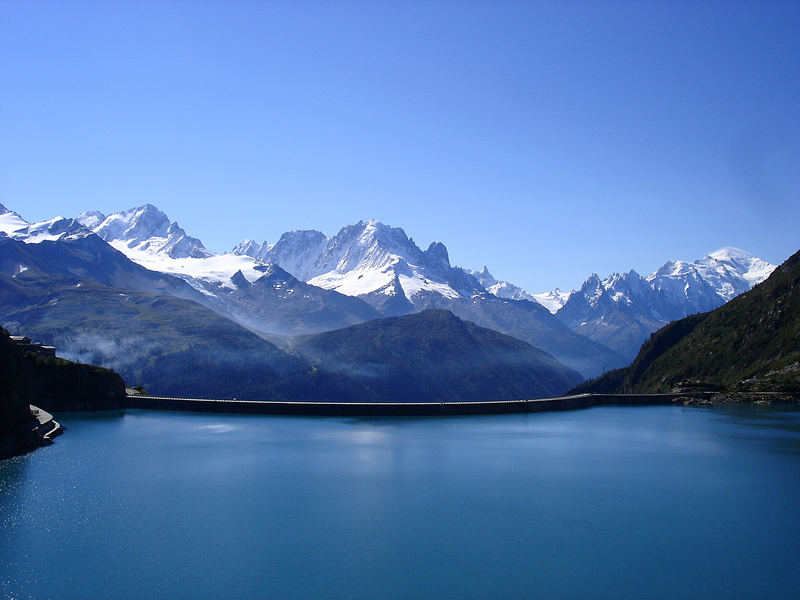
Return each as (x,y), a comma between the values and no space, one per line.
(394,409)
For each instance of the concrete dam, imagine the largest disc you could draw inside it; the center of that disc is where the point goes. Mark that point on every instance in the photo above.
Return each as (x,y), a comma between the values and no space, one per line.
(394,409)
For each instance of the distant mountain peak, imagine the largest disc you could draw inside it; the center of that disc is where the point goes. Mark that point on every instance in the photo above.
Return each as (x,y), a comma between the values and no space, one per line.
(248,247)
(729,252)
(437,256)
(622,310)
(54,229)
(10,221)
(146,229)
(90,218)
(592,282)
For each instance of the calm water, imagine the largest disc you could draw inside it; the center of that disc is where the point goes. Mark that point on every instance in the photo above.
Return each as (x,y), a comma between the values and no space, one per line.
(652,502)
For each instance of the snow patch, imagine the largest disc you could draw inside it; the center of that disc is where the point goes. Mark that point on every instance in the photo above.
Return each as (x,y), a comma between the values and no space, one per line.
(416,284)
(11,222)
(215,269)
(552,301)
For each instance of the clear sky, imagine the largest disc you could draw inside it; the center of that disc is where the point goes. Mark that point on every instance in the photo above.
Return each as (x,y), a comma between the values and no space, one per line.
(547,140)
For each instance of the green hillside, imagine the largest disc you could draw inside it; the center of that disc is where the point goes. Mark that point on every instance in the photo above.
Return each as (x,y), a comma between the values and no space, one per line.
(752,343)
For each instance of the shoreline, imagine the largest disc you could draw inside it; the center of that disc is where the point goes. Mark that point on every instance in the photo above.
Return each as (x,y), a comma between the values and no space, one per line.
(35,433)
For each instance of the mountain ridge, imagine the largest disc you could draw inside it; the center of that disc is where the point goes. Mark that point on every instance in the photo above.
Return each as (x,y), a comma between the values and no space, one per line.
(369,262)
(378,270)
(751,343)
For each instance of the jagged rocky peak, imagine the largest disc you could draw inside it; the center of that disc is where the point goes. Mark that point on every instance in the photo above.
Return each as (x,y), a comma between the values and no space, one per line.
(484,272)
(273,272)
(677,289)
(53,229)
(239,280)
(484,277)
(733,263)
(501,289)
(671,268)
(148,229)
(391,238)
(437,256)
(295,251)
(366,245)
(249,248)
(90,219)
(370,258)
(593,286)
(10,221)
(134,225)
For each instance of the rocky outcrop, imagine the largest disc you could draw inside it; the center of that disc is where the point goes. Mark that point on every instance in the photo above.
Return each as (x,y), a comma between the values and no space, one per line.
(51,383)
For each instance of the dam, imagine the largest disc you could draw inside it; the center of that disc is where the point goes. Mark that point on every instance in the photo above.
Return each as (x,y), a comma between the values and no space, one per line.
(396,409)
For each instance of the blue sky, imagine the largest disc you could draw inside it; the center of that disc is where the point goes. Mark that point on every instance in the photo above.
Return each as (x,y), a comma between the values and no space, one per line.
(545,140)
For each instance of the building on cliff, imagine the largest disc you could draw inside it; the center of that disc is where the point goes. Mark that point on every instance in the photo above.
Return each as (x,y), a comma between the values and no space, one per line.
(25,344)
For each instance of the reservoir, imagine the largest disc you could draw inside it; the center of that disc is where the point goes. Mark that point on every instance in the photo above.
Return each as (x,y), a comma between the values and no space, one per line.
(607,502)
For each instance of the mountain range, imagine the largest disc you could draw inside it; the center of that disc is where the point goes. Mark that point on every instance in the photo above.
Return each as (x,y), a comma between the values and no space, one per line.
(622,310)
(752,343)
(62,283)
(367,270)
(380,264)
(309,283)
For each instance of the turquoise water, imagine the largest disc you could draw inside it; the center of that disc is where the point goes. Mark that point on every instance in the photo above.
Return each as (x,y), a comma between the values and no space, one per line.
(610,502)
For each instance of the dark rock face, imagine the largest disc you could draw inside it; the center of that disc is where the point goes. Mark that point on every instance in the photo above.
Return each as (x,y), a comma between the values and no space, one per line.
(13,388)
(64,386)
(51,383)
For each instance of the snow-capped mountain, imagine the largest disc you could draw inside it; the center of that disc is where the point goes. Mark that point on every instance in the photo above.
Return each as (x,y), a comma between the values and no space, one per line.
(148,237)
(306,282)
(10,221)
(381,265)
(553,300)
(14,226)
(295,251)
(621,310)
(367,269)
(255,294)
(501,289)
(53,230)
(144,229)
(370,260)
(729,271)
(370,257)
(249,290)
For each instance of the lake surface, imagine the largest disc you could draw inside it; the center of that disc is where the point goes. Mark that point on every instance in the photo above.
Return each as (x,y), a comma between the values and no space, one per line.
(608,502)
